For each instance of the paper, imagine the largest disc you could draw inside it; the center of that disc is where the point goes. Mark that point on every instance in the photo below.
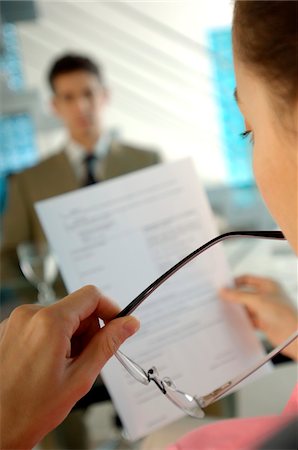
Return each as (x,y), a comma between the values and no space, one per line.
(121,235)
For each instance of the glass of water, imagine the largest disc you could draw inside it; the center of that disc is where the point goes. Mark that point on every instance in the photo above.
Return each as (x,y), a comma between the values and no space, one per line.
(39,268)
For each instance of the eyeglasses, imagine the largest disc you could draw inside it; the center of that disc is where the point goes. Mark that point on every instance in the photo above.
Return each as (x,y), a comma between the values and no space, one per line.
(193,405)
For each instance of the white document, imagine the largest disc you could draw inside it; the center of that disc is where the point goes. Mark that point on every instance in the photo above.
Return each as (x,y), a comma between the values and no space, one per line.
(121,235)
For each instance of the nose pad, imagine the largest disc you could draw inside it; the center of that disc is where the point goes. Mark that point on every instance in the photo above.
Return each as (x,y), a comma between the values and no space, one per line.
(153,376)
(169,383)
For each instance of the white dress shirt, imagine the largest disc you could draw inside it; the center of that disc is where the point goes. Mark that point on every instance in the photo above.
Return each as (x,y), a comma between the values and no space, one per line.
(76,155)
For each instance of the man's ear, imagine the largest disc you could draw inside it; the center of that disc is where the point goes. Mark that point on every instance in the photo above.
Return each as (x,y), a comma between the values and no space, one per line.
(54,105)
(106,95)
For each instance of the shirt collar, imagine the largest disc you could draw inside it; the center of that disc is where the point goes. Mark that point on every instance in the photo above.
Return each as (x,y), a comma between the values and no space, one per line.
(76,152)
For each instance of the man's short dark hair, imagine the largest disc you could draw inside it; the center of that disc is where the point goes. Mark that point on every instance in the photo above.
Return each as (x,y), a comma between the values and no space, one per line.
(72,63)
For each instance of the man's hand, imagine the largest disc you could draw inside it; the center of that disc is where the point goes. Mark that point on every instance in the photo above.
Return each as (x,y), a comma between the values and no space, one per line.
(268,306)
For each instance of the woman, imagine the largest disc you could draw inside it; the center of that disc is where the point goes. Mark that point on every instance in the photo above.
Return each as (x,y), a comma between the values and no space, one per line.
(51,356)
(265,43)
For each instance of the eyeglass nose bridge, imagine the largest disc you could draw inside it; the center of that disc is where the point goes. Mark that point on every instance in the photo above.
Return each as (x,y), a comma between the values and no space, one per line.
(152,376)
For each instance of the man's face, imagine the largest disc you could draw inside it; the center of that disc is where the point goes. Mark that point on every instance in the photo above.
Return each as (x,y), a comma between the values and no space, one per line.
(79,100)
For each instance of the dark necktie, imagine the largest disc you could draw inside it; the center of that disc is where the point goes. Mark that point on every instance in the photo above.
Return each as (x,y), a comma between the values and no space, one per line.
(89,162)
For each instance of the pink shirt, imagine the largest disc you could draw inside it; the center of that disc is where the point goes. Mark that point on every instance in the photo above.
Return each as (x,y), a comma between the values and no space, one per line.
(235,434)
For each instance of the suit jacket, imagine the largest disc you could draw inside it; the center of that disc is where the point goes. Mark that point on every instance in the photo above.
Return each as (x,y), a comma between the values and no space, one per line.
(51,177)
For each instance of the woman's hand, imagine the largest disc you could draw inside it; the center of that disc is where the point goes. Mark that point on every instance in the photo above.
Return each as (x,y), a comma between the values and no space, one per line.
(50,358)
(268,307)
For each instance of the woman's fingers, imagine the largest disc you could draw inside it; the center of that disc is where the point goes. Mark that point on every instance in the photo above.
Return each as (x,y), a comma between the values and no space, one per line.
(101,347)
(82,304)
(258,283)
(2,327)
(249,299)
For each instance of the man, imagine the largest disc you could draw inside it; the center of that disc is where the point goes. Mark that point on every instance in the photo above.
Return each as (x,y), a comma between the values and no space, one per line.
(91,155)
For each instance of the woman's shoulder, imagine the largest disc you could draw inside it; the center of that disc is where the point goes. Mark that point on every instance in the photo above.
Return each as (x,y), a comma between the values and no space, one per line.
(292,405)
(237,433)
(228,434)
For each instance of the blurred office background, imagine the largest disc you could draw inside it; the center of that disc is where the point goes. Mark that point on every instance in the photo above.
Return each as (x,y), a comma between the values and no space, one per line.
(168,67)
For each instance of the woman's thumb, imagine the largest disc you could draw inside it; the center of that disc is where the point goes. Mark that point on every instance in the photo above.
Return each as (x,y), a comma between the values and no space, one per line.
(105,343)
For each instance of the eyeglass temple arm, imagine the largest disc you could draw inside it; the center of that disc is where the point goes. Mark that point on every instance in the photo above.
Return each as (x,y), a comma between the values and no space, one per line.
(144,294)
(215,395)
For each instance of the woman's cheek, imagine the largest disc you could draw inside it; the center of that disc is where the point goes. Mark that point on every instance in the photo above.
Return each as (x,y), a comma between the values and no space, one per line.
(262,174)
(257,166)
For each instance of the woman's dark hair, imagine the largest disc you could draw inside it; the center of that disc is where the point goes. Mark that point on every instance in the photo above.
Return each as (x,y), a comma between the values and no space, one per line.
(72,63)
(265,36)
